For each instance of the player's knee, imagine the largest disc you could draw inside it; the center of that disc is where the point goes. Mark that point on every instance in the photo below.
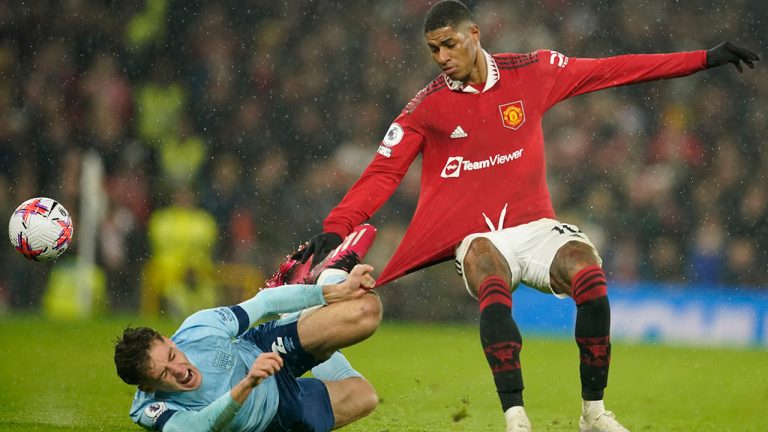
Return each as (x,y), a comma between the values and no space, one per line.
(589,285)
(352,399)
(368,398)
(363,398)
(569,260)
(483,259)
(575,255)
(368,313)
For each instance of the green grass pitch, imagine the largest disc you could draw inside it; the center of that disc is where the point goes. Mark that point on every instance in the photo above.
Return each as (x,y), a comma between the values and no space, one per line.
(60,377)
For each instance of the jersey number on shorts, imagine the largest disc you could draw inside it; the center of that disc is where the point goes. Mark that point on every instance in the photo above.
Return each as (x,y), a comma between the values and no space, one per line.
(565,227)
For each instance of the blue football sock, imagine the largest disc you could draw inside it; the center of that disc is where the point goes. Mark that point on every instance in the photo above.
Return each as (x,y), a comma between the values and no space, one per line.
(335,368)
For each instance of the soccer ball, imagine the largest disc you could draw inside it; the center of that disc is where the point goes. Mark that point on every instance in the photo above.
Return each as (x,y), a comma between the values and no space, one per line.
(40,229)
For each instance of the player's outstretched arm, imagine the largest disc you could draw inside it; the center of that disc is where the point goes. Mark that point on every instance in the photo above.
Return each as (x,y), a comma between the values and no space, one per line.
(293,298)
(726,53)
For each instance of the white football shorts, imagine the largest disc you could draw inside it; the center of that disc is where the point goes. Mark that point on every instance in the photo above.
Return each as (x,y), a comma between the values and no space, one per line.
(529,250)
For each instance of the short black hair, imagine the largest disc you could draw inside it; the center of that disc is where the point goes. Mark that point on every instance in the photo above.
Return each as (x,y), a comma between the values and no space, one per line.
(132,354)
(447,13)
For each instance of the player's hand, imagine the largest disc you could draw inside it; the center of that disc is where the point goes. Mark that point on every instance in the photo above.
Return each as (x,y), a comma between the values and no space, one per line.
(318,247)
(360,278)
(357,284)
(265,365)
(729,53)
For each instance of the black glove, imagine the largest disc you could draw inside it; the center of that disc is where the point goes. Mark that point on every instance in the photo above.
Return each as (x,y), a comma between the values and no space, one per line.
(319,246)
(728,53)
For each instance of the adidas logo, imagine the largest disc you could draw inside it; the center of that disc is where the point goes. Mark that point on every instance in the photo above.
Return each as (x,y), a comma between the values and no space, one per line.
(458,133)
(278,346)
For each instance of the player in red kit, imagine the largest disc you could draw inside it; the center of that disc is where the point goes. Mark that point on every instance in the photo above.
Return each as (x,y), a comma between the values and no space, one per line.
(484,199)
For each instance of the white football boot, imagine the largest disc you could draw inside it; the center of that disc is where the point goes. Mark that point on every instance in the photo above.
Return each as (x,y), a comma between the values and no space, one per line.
(517,421)
(594,418)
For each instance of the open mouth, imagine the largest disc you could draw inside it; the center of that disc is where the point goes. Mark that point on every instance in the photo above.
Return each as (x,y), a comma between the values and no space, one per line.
(187,378)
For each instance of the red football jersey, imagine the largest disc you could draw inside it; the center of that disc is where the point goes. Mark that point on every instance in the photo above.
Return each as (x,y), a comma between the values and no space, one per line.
(483,151)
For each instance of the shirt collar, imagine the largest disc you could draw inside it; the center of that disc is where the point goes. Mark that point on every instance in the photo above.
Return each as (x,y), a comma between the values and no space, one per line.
(493,77)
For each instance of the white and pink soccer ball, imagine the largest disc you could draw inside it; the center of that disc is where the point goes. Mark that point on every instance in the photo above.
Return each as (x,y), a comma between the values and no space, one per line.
(40,229)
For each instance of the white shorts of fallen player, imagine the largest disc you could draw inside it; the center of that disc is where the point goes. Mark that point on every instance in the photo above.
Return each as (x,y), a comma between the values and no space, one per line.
(528,249)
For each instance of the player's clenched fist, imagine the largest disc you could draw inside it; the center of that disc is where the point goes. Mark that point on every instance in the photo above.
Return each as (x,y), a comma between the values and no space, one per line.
(360,276)
(358,282)
(266,364)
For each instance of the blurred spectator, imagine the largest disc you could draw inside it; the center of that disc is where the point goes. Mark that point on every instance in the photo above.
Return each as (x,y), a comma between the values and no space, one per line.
(744,266)
(707,255)
(179,274)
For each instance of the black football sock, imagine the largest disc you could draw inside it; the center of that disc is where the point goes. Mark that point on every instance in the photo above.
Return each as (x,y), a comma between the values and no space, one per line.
(593,323)
(501,340)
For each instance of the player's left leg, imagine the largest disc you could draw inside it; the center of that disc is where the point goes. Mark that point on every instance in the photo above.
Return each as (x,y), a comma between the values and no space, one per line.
(576,271)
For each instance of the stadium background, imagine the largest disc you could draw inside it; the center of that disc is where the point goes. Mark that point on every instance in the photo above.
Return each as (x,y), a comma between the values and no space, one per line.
(221,133)
(197,143)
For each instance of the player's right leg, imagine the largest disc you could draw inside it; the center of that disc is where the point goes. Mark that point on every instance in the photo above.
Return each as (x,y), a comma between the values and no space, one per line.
(488,277)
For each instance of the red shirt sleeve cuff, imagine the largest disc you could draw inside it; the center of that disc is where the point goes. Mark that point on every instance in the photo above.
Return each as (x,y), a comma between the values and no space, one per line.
(703,58)
(337,228)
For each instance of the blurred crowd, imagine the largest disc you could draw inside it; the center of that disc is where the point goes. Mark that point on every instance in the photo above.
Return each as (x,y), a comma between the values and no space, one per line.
(227,130)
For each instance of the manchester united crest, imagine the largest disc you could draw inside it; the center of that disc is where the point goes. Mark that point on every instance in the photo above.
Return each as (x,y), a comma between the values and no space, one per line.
(512,115)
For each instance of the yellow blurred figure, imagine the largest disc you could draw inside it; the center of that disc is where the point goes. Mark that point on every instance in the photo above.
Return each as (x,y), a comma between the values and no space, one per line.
(179,276)
(65,296)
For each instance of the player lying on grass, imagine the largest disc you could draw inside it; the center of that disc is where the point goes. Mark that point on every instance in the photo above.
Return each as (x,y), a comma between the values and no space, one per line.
(218,373)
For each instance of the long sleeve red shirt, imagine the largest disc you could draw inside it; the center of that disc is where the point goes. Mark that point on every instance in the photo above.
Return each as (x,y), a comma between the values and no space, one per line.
(483,150)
